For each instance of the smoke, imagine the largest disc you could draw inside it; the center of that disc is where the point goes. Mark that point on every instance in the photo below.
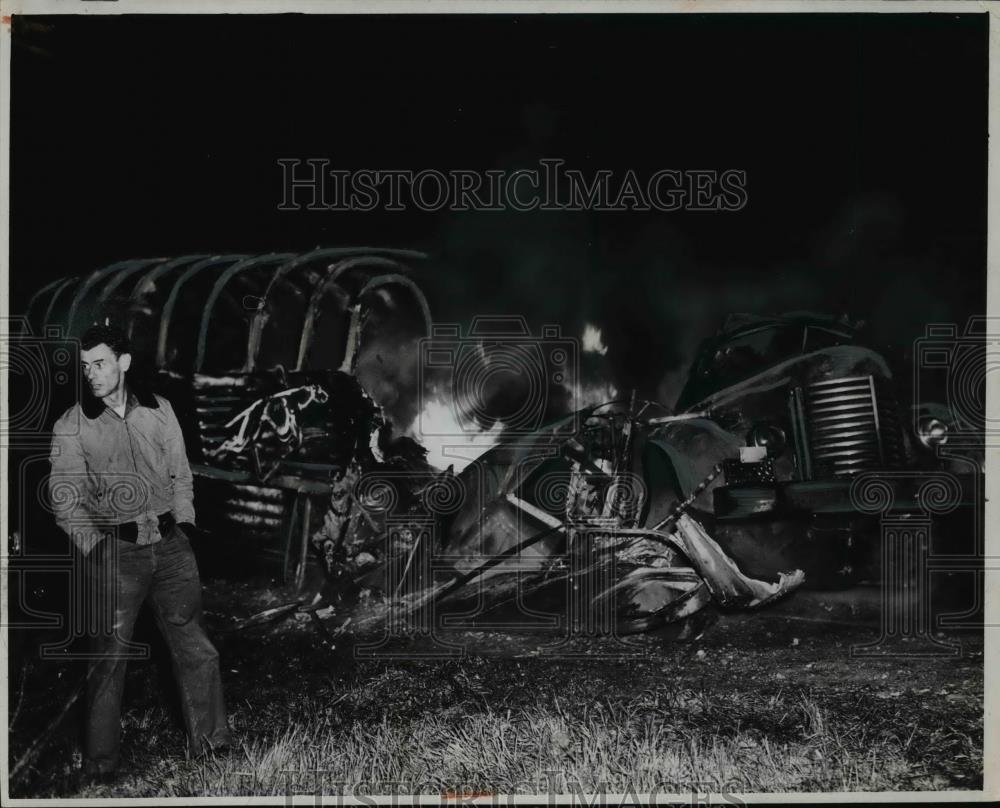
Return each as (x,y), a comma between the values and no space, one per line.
(652,285)
(388,359)
(654,298)
(637,299)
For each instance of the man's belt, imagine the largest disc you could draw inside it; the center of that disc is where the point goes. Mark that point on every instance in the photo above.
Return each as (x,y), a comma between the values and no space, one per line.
(129,531)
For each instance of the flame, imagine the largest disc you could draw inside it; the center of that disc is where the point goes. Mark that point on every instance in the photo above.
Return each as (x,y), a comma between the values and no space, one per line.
(449,440)
(593,340)
(593,393)
(594,388)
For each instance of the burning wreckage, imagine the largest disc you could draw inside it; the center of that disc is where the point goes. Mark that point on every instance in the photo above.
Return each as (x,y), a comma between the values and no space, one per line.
(637,515)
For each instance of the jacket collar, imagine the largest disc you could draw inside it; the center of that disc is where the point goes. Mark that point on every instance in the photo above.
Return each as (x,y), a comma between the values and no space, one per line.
(92,406)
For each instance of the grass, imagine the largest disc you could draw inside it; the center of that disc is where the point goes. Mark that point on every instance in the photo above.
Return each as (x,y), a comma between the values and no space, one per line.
(686,743)
(756,706)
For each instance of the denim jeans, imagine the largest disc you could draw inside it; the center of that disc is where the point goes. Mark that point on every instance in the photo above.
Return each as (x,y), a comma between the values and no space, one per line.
(165,575)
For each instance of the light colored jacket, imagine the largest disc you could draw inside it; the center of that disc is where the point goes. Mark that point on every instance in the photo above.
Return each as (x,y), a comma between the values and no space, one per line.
(108,470)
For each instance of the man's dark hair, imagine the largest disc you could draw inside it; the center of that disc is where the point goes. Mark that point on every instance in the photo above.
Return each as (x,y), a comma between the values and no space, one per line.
(110,335)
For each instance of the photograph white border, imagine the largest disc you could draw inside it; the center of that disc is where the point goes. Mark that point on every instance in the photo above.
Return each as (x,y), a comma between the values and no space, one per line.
(991,656)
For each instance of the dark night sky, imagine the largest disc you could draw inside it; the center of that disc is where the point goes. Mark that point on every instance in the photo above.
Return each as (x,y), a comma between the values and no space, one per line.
(863,138)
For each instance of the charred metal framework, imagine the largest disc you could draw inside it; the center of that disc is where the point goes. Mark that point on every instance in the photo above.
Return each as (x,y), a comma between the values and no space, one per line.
(174,309)
(219,331)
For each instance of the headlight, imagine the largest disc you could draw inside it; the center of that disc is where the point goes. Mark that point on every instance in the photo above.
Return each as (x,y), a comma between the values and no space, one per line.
(932,432)
(768,436)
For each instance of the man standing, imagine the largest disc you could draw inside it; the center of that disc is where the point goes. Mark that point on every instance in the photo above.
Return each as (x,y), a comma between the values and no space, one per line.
(121,488)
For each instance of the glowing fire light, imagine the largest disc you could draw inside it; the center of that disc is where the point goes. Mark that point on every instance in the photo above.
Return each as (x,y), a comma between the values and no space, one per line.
(449,441)
(593,394)
(593,340)
(595,388)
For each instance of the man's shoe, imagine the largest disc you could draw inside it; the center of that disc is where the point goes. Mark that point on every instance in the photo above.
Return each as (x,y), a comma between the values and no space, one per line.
(223,748)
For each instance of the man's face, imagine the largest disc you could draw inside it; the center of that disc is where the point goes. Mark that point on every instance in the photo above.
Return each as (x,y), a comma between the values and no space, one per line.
(103,370)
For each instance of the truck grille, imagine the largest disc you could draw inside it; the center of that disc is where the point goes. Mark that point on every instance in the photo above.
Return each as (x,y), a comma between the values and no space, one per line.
(851,425)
